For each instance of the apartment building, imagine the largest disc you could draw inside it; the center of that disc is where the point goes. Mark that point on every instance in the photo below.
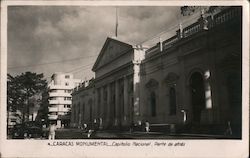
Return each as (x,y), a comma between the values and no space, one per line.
(60,99)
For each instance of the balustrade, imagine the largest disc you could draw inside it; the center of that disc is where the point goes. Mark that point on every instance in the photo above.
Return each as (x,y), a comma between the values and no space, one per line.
(211,22)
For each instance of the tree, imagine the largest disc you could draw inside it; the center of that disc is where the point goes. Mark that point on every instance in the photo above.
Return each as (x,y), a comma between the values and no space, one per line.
(15,97)
(207,10)
(42,115)
(21,88)
(188,10)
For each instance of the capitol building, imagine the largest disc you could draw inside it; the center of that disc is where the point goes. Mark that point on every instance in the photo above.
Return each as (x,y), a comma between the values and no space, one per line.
(191,81)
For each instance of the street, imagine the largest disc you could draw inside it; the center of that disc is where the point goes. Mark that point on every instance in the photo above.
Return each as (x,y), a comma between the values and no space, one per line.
(80,134)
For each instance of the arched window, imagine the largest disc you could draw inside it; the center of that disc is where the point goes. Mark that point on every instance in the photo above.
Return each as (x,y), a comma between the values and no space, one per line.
(172,101)
(153,104)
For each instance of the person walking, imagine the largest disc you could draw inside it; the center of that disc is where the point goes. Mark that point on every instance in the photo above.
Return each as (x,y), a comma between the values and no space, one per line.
(147,126)
(52,131)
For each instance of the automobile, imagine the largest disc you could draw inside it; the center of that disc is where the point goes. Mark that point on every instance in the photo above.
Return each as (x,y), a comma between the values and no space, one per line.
(18,131)
(27,130)
(45,134)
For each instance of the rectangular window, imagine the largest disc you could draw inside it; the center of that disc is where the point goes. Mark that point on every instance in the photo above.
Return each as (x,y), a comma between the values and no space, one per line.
(52,98)
(66,106)
(67,98)
(53,113)
(67,91)
(53,90)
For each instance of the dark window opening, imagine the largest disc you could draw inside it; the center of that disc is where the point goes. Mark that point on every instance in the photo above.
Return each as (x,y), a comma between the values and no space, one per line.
(153,104)
(172,101)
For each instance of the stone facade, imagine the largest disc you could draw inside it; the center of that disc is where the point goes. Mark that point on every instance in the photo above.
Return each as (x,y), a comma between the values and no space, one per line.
(192,78)
(82,111)
(199,74)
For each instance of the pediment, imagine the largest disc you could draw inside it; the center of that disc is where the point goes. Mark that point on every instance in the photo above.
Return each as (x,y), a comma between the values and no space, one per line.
(152,83)
(171,77)
(111,49)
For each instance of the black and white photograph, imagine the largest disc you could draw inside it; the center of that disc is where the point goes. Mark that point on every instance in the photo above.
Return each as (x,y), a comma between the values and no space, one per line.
(123,72)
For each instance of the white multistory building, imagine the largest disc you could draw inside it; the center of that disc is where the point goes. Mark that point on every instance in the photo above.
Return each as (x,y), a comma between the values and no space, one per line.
(60,99)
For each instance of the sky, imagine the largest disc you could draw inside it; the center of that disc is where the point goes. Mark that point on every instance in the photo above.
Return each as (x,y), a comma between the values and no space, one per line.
(48,39)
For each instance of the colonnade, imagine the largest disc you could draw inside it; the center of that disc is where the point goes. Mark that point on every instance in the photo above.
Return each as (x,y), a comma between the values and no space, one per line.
(114,103)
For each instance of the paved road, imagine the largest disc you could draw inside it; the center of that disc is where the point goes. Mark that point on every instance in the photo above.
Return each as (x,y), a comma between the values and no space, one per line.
(80,134)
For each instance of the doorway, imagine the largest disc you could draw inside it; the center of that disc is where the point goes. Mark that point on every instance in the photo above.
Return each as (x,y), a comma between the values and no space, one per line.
(197,96)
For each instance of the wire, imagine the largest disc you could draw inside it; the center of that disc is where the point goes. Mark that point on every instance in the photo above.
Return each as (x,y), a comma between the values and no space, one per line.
(81,68)
(72,70)
(54,62)
(170,29)
(75,72)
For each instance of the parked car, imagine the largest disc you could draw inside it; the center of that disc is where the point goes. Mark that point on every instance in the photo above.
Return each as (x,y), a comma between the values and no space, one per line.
(27,130)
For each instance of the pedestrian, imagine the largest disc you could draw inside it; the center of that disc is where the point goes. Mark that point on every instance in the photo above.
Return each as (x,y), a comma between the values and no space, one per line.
(52,131)
(228,129)
(96,126)
(147,126)
(184,116)
(131,129)
(100,123)
(90,132)
(85,126)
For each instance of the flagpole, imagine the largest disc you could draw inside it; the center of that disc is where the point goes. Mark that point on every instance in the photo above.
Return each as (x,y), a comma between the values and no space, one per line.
(116,24)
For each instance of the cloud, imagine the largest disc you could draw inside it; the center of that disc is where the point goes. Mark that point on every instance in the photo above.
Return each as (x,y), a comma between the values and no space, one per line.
(45,29)
(40,34)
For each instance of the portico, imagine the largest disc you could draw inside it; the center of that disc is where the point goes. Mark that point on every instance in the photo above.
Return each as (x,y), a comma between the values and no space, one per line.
(116,84)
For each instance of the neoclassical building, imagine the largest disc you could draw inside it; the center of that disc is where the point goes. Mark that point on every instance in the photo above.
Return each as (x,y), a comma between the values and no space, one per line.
(115,92)
(191,80)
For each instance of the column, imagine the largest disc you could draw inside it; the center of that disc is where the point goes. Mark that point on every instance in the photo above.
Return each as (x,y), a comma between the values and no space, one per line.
(101,102)
(130,100)
(112,103)
(76,115)
(136,104)
(126,105)
(108,114)
(208,96)
(104,104)
(101,106)
(95,110)
(116,102)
